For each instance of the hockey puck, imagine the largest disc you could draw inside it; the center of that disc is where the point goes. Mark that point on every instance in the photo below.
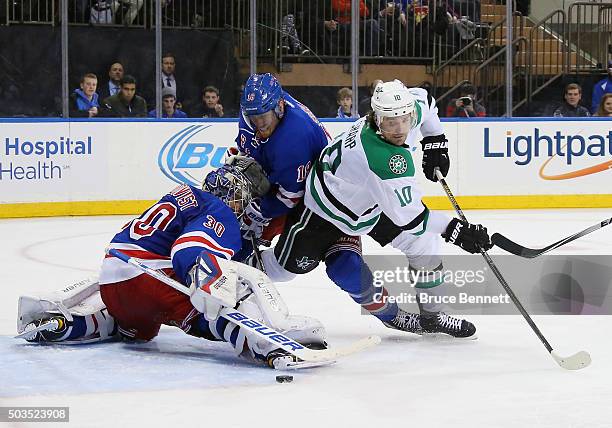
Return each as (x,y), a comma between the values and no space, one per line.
(284,379)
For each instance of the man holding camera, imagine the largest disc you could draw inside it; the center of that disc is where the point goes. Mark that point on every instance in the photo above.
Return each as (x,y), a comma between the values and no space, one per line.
(465,105)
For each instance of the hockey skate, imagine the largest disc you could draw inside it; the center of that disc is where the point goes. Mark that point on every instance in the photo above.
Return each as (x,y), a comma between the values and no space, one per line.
(406,321)
(45,330)
(440,322)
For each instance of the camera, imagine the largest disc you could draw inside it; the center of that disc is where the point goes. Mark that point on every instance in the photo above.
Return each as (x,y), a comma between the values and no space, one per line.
(466,101)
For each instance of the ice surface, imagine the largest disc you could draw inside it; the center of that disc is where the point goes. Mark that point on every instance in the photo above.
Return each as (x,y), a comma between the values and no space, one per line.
(503,379)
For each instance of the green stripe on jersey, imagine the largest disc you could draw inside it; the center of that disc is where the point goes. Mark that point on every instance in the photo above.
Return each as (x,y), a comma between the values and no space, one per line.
(354,227)
(384,159)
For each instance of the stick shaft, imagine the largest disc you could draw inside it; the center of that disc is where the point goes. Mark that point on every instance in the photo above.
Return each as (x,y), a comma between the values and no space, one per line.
(494,268)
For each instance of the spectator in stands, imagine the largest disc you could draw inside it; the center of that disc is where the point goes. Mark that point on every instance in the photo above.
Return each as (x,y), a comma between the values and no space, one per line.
(126,103)
(466,105)
(571,107)
(344,98)
(604,86)
(115,74)
(369,28)
(605,106)
(103,11)
(392,22)
(364,104)
(169,109)
(84,101)
(168,66)
(320,28)
(210,106)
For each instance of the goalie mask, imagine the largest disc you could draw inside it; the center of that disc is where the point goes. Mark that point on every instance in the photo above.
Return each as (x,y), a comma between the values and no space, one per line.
(232,186)
(395,108)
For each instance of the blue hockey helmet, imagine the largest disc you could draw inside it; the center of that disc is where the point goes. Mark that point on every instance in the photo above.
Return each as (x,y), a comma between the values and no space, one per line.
(262,93)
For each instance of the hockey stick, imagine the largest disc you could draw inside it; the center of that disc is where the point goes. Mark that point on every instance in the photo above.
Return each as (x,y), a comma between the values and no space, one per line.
(518,250)
(257,252)
(255,327)
(577,361)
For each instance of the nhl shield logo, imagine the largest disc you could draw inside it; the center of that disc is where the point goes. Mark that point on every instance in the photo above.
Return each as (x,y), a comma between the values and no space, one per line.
(398,164)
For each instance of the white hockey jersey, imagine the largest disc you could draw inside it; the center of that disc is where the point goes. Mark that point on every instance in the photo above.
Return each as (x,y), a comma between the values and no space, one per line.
(359,175)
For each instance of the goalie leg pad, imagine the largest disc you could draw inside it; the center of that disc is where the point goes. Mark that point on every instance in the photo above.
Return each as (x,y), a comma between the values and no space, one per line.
(87,321)
(32,308)
(305,330)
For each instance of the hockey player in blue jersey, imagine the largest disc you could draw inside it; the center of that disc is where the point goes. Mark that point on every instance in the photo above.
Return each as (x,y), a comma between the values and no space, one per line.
(285,138)
(193,236)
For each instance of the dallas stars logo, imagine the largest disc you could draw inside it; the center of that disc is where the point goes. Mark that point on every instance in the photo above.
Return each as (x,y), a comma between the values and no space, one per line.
(398,164)
(304,262)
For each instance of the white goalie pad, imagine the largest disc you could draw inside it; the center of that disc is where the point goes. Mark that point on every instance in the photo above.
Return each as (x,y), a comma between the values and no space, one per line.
(62,301)
(273,306)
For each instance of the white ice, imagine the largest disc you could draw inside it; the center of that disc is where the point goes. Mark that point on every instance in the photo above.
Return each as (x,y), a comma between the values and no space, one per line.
(504,379)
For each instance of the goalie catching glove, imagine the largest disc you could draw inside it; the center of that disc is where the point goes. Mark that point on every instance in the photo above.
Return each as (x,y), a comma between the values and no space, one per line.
(471,237)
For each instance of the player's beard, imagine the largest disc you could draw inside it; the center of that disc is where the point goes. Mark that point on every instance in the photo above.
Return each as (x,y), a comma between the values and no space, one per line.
(264,135)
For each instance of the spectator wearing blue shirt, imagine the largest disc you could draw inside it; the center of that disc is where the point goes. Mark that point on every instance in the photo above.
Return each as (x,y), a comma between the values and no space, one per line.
(84,100)
(169,109)
(604,86)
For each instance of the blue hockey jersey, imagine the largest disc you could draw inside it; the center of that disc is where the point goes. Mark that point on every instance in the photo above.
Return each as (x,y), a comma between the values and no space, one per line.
(286,156)
(173,232)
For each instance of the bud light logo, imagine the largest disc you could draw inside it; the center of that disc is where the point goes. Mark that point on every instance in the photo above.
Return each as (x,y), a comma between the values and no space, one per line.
(183,159)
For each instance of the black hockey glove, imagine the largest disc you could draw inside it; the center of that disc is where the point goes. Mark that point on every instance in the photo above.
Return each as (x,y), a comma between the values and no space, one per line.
(470,237)
(435,155)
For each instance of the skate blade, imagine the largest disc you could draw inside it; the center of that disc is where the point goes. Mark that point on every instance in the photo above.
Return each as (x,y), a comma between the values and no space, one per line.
(443,337)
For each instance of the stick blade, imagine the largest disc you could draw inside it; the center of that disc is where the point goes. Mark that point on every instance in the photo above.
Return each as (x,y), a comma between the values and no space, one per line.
(335,353)
(512,247)
(577,361)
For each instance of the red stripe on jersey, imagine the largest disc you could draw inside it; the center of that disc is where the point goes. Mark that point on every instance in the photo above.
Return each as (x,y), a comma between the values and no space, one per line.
(95,323)
(202,240)
(373,307)
(290,202)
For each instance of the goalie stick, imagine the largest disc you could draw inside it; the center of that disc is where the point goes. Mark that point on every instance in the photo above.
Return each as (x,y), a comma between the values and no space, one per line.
(518,250)
(576,361)
(253,326)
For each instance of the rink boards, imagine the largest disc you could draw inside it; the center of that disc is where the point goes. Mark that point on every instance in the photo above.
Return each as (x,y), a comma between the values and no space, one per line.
(80,167)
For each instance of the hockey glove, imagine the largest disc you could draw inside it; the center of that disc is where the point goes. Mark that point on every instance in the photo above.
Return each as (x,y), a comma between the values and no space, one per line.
(471,237)
(435,155)
(253,222)
(212,283)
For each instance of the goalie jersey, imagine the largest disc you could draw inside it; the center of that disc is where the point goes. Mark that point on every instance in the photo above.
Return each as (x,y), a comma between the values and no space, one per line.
(173,232)
(360,176)
(286,156)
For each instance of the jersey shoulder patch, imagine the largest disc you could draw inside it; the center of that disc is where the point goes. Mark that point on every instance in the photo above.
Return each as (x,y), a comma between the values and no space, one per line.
(384,159)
